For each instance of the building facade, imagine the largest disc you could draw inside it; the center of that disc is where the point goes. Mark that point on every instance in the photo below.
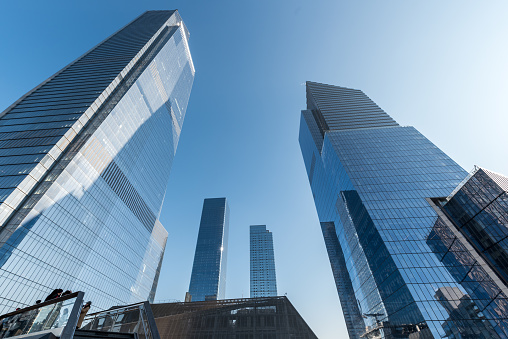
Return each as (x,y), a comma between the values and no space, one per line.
(84,162)
(469,238)
(269,318)
(208,278)
(263,281)
(479,209)
(400,272)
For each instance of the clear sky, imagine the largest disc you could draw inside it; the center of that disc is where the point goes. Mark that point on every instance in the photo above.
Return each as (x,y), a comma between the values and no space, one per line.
(440,66)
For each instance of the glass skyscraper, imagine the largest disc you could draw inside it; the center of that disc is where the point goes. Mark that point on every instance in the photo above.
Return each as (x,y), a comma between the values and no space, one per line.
(263,282)
(208,278)
(84,162)
(380,190)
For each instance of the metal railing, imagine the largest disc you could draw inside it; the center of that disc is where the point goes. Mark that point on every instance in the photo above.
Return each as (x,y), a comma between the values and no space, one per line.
(58,316)
(135,318)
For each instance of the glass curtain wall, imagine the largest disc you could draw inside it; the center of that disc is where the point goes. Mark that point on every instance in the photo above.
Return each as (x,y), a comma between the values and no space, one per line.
(263,281)
(371,180)
(98,140)
(208,278)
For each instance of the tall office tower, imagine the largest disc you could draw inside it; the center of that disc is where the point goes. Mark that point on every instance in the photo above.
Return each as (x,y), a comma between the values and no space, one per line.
(401,270)
(208,278)
(85,159)
(263,282)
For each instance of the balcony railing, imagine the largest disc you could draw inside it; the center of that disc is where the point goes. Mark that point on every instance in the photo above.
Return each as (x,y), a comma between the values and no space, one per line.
(135,318)
(58,316)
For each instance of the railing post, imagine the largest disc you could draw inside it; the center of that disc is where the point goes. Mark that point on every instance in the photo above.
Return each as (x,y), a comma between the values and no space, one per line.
(142,320)
(151,321)
(113,322)
(72,322)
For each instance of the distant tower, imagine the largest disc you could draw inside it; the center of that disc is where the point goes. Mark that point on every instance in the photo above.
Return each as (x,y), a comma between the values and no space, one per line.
(208,278)
(263,282)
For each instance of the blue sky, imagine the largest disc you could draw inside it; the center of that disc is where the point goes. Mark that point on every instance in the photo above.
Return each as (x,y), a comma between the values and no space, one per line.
(438,66)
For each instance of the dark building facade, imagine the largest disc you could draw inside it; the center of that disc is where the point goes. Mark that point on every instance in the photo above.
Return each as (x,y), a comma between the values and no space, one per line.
(479,208)
(263,279)
(373,182)
(208,278)
(84,162)
(468,237)
(267,318)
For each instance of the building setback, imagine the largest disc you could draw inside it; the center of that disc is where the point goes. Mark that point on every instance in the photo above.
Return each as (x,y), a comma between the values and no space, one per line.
(400,270)
(208,278)
(84,162)
(263,282)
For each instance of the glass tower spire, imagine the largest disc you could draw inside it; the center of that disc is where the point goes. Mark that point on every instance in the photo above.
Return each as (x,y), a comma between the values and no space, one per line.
(208,278)
(84,163)
(396,271)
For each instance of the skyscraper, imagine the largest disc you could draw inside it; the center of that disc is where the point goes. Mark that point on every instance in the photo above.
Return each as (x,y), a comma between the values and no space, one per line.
(263,282)
(85,159)
(208,278)
(400,271)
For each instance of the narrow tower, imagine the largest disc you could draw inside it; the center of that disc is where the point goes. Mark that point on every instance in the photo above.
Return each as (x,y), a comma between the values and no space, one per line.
(208,278)
(263,282)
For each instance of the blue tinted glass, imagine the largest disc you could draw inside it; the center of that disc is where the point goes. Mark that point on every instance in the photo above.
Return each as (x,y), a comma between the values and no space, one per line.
(81,199)
(263,281)
(208,278)
(396,264)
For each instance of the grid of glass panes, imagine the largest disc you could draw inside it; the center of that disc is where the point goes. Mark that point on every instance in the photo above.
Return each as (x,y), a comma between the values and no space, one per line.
(372,184)
(392,170)
(481,310)
(208,277)
(81,235)
(37,129)
(480,209)
(350,307)
(263,281)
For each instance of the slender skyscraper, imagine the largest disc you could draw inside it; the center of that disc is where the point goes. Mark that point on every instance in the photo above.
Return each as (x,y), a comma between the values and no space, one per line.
(380,190)
(208,278)
(263,282)
(84,162)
